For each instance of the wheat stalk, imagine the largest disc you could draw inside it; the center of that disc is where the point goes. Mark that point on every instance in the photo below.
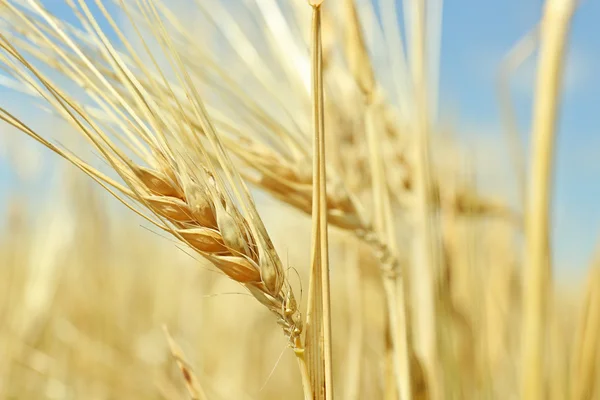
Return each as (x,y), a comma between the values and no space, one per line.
(425,266)
(318,319)
(554,32)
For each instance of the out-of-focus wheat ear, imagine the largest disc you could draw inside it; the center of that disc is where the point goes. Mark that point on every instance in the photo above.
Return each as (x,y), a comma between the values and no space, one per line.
(356,52)
(555,27)
(318,320)
(524,48)
(191,382)
(360,66)
(585,361)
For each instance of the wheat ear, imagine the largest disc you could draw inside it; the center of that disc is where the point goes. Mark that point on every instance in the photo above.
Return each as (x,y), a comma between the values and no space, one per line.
(361,69)
(168,176)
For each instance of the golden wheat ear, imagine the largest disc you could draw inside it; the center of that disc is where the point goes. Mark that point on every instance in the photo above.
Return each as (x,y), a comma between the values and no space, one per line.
(179,179)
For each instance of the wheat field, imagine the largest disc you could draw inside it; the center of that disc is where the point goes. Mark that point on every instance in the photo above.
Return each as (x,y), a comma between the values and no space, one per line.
(257,200)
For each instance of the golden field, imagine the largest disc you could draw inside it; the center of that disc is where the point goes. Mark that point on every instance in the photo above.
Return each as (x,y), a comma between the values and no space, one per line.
(438,288)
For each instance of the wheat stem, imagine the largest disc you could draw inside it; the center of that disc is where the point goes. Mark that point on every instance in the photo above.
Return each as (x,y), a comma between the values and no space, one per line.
(319,317)
(304,370)
(318,321)
(322,196)
(555,27)
(425,268)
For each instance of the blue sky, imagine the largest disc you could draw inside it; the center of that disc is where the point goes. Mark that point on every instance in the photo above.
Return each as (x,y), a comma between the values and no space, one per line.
(476,35)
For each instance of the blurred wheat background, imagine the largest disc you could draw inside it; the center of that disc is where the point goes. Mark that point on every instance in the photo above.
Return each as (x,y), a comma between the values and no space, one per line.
(86,286)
